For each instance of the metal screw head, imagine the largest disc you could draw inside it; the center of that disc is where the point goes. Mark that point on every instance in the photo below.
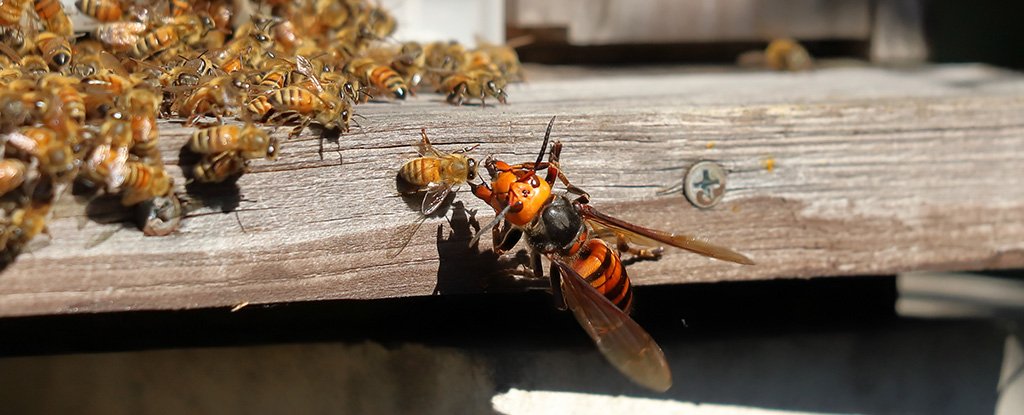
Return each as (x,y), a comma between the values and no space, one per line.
(704,184)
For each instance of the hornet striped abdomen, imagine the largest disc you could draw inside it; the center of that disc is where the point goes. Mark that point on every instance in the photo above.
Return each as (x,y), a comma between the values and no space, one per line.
(601,267)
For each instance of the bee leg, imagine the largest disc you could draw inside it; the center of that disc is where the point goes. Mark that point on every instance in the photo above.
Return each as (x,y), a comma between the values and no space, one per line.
(556,287)
(505,239)
(639,253)
(536,265)
(191,121)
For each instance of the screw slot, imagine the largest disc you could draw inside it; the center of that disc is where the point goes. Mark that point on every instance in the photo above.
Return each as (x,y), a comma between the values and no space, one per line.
(704,184)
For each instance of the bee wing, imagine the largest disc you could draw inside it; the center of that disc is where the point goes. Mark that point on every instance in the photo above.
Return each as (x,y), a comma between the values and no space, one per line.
(435,196)
(305,67)
(116,168)
(605,226)
(425,149)
(623,342)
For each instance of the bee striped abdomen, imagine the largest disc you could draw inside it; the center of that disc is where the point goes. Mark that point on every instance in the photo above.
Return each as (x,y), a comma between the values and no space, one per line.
(156,41)
(214,139)
(292,98)
(422,171)
(11,10)
(137,175)
(384,77)
(259,106)
(602,268)
(102,10)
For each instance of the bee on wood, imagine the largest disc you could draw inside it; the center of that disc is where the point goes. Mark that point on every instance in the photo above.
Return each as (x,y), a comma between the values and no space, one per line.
(55,49)
(102,10)
(141,182)
(474,84)
(249,141)
(296,104)
(218,96)
(141,109)
(436,173)
(219,167)
(24,224)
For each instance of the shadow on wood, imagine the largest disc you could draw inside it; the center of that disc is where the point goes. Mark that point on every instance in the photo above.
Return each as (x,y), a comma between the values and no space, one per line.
(466,269)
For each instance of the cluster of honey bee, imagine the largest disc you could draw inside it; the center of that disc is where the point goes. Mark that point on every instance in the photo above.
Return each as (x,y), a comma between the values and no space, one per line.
(82,106)
(582,244)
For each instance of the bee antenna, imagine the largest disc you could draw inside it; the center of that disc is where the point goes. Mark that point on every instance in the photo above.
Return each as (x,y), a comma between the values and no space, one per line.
(494,222)
(543,147)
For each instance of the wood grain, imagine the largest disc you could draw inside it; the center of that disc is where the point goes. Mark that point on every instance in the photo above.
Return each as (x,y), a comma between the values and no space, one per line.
(874,172)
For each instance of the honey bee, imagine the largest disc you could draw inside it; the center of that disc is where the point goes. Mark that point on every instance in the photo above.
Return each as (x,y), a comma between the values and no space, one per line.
(120,36)
(12,37)
(24,224)
(102,10)
(34,65)
(444,56)
(67,93)
(155,41)
(11,11)
(55,49)
(142,107)
(143,182)
(249,48)
(436,173)
(218,168)
(478,84)
(503,57)
(51,12)
(15,110)
(218,96)
(12,174)
(189,72)
(409,63)
(179,7)
(161,215)
(787,55)
(107,83)
(587,274)
(96,64)
(192,28)
(250,142)
(296,104)
(48,147)
(377,76)
(104,165)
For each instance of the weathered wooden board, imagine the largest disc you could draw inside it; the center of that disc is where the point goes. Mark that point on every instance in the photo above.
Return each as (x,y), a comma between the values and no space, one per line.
(875,171)
(603,22)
